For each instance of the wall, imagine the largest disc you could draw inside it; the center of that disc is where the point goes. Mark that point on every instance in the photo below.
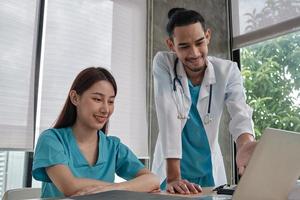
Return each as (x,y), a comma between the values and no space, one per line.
(216,15)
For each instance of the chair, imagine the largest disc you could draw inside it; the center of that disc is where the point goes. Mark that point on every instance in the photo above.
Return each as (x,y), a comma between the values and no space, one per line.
(22,193)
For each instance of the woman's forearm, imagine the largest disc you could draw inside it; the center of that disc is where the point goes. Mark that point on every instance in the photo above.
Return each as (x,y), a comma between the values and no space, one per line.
(67,183)
(82,184)
(143,183)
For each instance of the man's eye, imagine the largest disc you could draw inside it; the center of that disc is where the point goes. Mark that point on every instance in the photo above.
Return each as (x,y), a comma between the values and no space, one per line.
(97,99)
(199,43)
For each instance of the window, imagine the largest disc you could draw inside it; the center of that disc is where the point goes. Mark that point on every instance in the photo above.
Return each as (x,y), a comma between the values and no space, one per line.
(105,33)
(3,168)
(267,34)
(259,20)
(76,34)
(254,15)
(17,24)
(271,71)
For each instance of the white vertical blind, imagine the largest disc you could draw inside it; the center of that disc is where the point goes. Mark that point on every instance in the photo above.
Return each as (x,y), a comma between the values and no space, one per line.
(77,35)
(128,62)
(111,34)
(17,23)
(258,20)
(3,168)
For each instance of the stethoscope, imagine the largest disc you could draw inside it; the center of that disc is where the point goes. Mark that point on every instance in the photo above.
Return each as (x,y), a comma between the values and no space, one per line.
(181,97)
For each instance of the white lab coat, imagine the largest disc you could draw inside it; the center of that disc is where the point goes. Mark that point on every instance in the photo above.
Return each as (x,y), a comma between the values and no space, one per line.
(227,89)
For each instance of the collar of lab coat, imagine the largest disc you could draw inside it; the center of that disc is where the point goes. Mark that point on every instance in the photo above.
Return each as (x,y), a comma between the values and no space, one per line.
(209,78)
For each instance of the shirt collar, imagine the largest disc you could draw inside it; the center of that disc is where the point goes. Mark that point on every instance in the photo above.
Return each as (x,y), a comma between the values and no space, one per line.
(80,160)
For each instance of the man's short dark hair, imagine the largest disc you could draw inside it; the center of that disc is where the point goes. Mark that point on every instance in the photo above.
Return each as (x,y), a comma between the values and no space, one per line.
(183,17)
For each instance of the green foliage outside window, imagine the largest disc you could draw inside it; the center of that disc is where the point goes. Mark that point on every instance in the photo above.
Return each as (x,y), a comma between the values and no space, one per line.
(271,72)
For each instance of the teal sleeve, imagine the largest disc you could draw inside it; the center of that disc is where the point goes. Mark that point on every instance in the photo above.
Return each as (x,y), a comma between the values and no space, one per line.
(128,165)
(49,151)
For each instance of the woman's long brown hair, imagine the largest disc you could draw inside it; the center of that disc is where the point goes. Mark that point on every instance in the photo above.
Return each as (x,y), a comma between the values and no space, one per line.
(84,80)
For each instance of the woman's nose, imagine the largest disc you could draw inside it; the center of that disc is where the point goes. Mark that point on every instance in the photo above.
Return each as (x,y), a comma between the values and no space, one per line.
(104,108)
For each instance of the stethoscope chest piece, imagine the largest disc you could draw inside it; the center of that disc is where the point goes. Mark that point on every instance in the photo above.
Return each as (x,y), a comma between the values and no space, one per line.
(207,118)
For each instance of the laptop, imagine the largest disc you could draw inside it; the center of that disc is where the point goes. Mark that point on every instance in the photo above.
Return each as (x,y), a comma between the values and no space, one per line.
(273,169)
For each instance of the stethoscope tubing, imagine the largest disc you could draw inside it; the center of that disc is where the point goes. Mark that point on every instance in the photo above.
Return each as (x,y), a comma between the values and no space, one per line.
(179,81)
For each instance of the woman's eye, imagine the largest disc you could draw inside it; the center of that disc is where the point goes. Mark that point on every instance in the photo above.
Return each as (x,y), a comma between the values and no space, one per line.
(97,99)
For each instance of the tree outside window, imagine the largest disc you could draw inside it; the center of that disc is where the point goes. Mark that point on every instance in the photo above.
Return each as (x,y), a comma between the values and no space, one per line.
(271,70)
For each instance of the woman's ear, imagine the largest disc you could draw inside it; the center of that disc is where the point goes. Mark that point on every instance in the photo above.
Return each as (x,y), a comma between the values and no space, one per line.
(74,97)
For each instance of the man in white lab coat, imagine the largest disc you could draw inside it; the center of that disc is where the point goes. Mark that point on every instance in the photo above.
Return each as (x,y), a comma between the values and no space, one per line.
(191,89)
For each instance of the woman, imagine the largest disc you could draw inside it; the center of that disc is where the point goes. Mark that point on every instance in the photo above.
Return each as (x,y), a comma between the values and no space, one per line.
(75,157)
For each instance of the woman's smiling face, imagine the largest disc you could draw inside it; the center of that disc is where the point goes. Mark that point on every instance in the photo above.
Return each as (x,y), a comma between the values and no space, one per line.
(95,105)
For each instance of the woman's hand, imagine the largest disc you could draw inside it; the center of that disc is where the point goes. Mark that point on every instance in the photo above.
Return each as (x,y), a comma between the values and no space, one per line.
(183,187)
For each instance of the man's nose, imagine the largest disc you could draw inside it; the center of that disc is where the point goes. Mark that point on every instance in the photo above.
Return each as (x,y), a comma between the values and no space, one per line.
(194,52)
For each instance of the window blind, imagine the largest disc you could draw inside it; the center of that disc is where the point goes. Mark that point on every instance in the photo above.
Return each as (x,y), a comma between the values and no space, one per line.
(258,20)
(111,34)
(17,24)
(128,63)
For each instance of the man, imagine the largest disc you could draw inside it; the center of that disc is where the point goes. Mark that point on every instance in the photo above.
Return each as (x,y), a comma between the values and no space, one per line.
(191,89)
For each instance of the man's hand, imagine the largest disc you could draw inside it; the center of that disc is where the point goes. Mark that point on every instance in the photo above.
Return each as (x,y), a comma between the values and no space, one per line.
(183,187)
(244,154)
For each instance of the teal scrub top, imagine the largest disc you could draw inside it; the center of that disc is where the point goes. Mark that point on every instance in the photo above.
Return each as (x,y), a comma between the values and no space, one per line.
(196,165)
(59,146)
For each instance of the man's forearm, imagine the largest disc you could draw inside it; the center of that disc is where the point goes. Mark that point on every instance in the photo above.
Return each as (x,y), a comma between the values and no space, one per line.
(243,139)
(173,169)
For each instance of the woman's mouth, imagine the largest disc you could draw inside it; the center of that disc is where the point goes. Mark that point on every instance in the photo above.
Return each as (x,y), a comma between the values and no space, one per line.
(101,119)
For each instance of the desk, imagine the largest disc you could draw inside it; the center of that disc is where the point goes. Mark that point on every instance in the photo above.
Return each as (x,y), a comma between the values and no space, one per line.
(207,194)
(126,195)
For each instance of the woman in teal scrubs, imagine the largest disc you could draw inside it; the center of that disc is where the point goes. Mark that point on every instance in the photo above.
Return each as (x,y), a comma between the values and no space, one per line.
(75,157)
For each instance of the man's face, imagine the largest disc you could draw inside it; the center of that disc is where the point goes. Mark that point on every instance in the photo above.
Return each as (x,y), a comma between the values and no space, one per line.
(190,44)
